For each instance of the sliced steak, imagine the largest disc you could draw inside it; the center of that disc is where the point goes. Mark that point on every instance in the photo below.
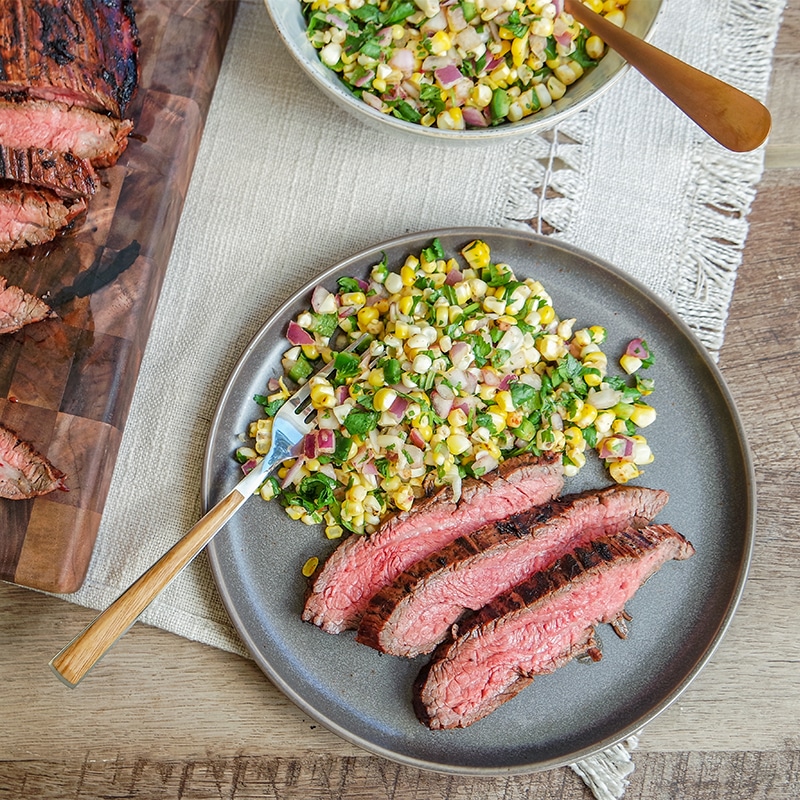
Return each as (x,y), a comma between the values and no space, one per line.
(24,473)
(30,216)
(414,613)
(62,173)
(539,625)
(80,52)
(52,125)
(18,308)
(362,565)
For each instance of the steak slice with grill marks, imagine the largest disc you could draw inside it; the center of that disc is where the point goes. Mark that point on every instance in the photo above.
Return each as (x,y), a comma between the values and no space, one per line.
(79,52)
(30,216)
(18,308)
(24,473)
(414,613)
(539,625)
(362,565)
(62,173)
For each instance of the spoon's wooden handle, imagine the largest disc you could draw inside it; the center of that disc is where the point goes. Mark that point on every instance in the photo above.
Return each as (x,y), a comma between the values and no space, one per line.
(731,117)
(89,646)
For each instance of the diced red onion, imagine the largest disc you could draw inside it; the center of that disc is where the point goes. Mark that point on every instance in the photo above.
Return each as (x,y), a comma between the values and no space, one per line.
(293,472)
(637,349)
(364,79)
(318,297)
(610,448)
(416,438)
(369,468)
(336,21)
(329,470)
(399,406)
(441,405)
(474,117)
(249,465)
(372,100)
(296,335)
(346,311)
(326,441)
(416,455)
(434,24)
(453,277)
(559,4)
(507,381)
(448,76)
(273,385)
(385,36)
(404,60)
(490,377)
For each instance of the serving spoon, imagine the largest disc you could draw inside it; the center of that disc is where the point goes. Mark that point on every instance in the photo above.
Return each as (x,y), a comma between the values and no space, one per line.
(731,117)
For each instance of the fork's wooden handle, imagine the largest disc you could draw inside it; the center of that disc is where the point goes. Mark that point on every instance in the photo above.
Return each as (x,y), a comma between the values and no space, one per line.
(736,120)
(89,646)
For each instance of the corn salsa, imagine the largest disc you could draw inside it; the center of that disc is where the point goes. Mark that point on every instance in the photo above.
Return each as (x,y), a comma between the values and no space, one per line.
(456,64)
(463,366)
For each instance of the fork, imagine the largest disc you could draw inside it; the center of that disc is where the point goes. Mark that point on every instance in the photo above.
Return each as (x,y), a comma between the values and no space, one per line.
(290,424)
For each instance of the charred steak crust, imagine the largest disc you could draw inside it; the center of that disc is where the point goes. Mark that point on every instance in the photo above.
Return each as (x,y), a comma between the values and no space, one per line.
(413,613)
(360,566)
(62,173)
(538,625)
(81,51)
(25,473)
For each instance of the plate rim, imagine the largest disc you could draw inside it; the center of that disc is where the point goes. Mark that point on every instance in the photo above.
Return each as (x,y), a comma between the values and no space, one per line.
(412,240)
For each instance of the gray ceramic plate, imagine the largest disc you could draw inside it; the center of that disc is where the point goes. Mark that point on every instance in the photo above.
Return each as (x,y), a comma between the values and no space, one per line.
(679,616)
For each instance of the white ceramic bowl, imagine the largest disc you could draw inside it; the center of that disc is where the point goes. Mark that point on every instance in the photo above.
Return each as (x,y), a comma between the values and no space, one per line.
(288,20)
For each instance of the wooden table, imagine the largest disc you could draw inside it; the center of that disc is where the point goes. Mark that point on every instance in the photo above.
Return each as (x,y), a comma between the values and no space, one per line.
(169,718)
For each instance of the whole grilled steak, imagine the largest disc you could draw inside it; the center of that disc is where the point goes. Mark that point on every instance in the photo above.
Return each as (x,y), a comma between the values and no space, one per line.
(414,613)
(362,565)
(539,625)
(30,216)
(25,473)
(62,173)
(79,52)
(18,308)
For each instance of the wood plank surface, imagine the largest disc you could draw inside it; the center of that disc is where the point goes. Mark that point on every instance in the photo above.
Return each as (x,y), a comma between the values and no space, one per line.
(169,718)
(66,384)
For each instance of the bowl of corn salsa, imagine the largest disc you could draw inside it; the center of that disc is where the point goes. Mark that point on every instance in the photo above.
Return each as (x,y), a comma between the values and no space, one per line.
(457,70)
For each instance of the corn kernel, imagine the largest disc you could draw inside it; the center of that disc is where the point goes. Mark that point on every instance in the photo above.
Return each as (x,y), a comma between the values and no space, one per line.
(334,531)
(376,377)
(440,43)
(295,512)
(323,396)
(310,567)
(384,398)
(630,363)
(367,315)
(586,416)
(457,418)
(623,471)
(476,254)
(504,400)
(643,415)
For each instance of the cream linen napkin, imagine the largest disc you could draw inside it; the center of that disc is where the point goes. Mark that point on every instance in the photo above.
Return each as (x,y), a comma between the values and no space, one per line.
(285,185)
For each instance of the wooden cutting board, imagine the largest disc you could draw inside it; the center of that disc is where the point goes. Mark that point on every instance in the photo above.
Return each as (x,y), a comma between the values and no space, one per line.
(66,384)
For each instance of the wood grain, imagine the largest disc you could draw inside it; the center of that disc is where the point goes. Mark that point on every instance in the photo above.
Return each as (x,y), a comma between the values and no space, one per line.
(172,718)
(66,384)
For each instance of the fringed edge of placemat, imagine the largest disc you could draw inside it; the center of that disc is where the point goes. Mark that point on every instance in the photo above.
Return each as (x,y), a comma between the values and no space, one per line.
(606,773)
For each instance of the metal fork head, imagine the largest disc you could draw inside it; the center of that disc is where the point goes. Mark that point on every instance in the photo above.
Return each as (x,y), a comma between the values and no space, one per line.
(293,420)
